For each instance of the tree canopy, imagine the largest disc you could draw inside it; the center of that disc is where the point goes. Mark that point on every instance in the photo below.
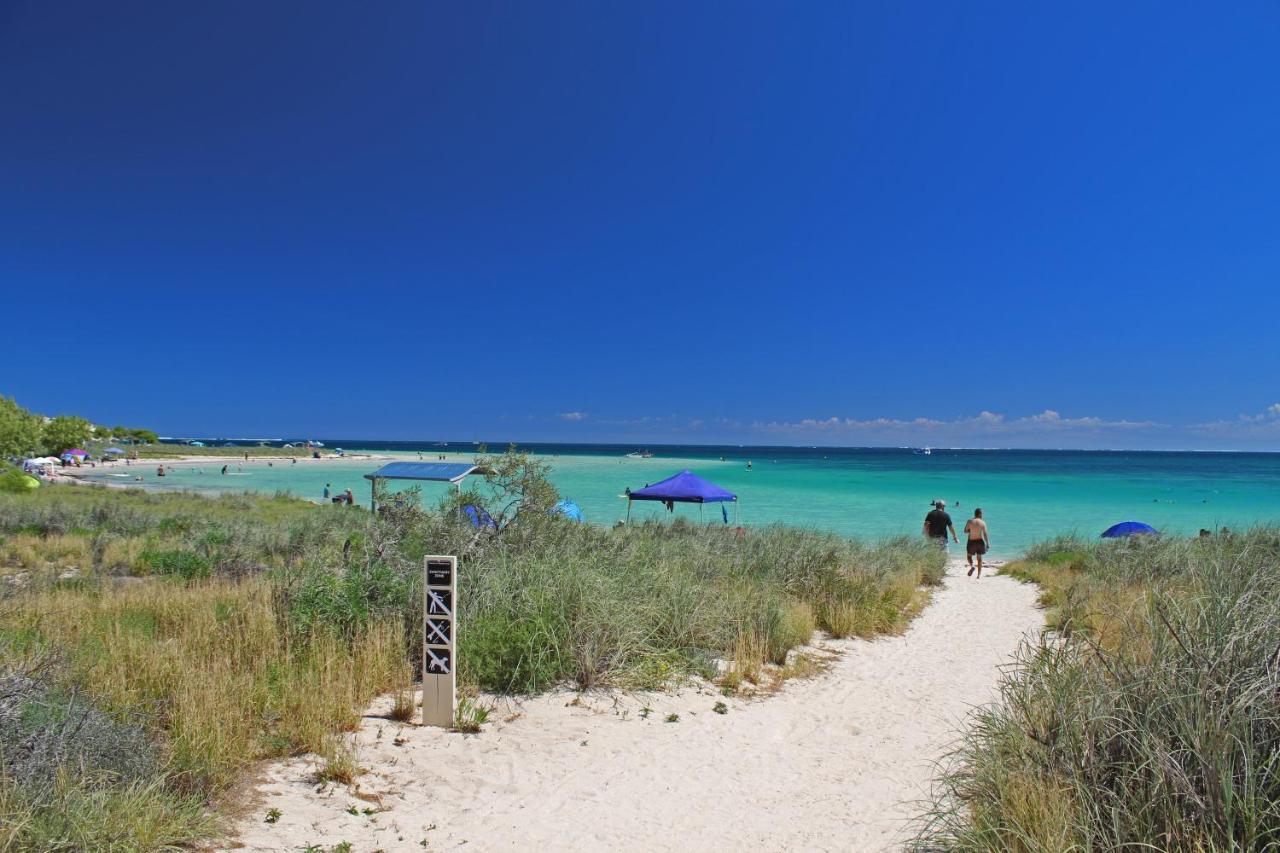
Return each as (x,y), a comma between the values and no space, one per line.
(20,430)
(24,433)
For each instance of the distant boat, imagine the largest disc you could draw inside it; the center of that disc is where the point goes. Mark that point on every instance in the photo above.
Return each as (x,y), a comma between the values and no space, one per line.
(441,444)
(640,454)
(924,451)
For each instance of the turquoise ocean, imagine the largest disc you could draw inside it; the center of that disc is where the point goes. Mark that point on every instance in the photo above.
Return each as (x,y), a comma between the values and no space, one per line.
(868,493)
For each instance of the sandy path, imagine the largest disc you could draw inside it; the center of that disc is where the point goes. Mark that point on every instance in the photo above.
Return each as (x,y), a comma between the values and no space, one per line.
(830,763)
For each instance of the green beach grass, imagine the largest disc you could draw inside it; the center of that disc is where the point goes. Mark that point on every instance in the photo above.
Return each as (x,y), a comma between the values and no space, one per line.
(210,633)
(1149,718)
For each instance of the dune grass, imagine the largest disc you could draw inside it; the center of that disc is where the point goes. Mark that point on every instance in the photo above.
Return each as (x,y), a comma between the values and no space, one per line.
(1149,718)
(227,630)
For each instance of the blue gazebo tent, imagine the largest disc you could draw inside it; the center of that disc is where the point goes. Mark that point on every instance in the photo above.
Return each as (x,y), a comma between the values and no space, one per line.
(685,487)
(437,472)
(1128,528)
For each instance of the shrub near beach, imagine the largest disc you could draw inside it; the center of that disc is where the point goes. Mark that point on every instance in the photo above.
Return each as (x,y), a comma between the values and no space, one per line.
(223,631)
(1150,720)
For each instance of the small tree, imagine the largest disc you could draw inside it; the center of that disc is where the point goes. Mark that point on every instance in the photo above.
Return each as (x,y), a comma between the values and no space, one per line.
(20,430)
(519,482)
(65,432)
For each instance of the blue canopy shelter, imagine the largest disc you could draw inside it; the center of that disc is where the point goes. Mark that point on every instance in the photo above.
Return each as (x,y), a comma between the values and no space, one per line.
(436,472)
(1128,528)
(685,487)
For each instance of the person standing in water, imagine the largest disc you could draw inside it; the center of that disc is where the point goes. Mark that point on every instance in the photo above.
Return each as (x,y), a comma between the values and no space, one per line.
(224,469)
(326,491)
(978,544)
(937,524)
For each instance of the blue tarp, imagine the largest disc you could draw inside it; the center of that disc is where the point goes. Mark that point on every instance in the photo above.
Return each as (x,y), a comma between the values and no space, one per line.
(479,518)
(443,472)
(1127,528)
(685,487)
(569,510)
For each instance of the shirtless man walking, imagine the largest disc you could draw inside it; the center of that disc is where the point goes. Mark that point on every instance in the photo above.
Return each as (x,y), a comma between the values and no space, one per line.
(976,529)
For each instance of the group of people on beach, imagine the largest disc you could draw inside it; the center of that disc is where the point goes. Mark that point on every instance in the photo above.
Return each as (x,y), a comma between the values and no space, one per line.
(938,525)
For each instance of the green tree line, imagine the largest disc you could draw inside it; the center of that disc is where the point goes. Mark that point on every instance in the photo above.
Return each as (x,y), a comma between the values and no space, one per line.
(25,433)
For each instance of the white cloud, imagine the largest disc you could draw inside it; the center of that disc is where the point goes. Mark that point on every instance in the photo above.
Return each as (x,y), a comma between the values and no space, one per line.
(1264,423)
(983,423)
(572,416)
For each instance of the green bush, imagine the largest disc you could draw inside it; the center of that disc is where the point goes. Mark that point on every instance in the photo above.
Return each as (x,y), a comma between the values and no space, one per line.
(13,481)
(1150,720)
(187,565)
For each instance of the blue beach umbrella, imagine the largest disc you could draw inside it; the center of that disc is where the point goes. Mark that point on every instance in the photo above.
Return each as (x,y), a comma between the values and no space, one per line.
(113,450)
(1128,528)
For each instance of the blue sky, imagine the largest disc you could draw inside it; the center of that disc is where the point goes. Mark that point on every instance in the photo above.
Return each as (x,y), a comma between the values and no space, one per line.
(987,224)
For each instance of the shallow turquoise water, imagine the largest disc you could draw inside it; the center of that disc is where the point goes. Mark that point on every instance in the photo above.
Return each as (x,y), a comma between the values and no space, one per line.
(1026,495)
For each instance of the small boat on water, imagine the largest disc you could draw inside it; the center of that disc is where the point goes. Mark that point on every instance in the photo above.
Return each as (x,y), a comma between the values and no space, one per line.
(923,451)
(640,454)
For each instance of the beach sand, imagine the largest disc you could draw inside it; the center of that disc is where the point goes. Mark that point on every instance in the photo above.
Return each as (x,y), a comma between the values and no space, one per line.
(839,761)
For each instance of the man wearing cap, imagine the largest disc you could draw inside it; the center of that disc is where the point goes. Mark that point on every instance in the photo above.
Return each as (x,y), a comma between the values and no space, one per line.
(937,523)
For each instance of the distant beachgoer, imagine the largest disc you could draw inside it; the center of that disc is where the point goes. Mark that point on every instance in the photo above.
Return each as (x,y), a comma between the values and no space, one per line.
(224,469)
(351,500)
(294,461)
(326,491)
(246,456)
(160,471)
(978,542)
(748,464)
(270,464)
(937,523)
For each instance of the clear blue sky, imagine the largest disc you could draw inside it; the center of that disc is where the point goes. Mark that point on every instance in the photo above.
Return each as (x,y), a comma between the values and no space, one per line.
(1035,224)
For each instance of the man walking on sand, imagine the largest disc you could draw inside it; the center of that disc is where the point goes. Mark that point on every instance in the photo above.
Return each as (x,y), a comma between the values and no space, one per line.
(937,524)
(978,544)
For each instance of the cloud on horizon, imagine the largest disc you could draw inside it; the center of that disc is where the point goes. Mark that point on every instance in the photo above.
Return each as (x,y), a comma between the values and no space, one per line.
(572,416)
(983,424)
(1264,424)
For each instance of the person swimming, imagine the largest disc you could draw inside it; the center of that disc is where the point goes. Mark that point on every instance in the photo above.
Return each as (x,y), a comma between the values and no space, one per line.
(224,469)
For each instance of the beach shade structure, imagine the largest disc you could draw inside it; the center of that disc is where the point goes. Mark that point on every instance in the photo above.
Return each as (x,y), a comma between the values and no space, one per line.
(569,510)
(434,472)
(195,444)
(1128,528)
(685,487)
(67,454)
(115,450)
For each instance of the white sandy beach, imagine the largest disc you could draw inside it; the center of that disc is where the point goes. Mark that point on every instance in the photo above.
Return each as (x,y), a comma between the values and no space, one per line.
(835,762)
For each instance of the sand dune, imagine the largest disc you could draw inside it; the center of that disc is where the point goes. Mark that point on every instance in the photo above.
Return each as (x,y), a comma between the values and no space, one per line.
(830,763)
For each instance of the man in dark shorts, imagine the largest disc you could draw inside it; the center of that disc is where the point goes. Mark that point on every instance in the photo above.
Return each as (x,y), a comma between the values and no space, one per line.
(937,524)
(976,531)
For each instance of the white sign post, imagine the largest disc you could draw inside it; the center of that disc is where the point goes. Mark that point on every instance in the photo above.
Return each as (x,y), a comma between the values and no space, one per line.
(439,640)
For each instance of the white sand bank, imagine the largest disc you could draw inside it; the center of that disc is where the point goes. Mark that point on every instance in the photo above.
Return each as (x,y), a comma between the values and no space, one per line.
(830,763)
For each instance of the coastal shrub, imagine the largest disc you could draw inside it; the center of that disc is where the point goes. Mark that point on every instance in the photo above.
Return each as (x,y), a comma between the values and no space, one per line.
(187,565)
(1149,719)
(13,480)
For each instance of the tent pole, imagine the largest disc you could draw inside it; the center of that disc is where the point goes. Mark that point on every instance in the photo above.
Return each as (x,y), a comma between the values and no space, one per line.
(628,511)
(373,497)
